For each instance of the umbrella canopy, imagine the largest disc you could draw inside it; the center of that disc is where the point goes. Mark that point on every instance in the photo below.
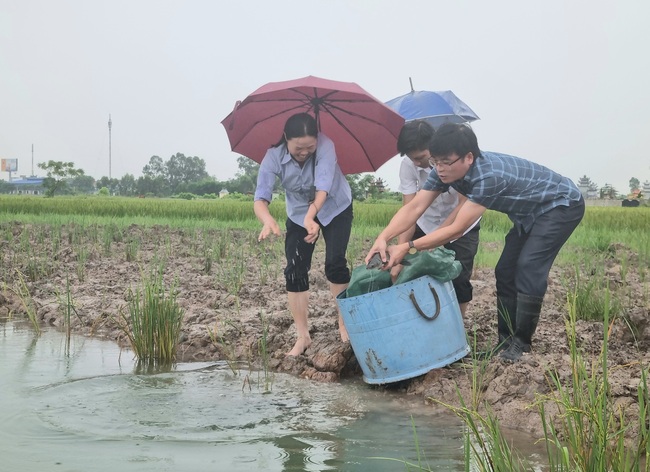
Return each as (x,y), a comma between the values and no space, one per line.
(364,130)
(434,107)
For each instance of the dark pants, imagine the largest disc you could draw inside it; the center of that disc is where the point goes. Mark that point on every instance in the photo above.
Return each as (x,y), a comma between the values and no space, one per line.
(465,248)
(299,253)
(527,258)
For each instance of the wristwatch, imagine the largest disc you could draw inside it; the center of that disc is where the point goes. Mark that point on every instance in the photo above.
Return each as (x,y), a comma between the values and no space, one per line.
(412,248)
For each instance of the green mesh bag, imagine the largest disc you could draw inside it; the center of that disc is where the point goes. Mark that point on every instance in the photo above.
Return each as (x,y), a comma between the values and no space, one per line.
(439,264)
(364,281)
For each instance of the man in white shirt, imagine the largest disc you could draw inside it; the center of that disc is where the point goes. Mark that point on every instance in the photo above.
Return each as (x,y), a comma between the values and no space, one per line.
(413,143)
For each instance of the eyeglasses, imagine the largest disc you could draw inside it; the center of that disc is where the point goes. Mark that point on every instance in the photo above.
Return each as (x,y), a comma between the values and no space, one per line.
(437,163)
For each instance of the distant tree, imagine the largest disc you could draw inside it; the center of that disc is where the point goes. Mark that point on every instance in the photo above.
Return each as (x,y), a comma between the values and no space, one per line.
(247,166)
(155,186)
(58,173)
(82,184)
(205,186)
(155,168)
(246,179)
(181,169)
(241,184)
(127,186)
(361,184)
(634,184)
(111,184)
(6,187)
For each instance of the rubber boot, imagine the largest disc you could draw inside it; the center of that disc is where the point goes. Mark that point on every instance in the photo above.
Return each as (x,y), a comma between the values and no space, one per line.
(506,325)
(528,310)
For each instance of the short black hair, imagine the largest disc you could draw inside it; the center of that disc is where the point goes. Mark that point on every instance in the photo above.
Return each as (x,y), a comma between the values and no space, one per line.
(450,138)
(414,136)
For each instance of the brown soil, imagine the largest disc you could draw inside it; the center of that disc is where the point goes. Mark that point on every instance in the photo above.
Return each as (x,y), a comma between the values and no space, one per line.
(237,319)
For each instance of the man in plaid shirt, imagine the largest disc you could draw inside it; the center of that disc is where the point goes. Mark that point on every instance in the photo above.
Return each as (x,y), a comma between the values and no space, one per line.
(544,206)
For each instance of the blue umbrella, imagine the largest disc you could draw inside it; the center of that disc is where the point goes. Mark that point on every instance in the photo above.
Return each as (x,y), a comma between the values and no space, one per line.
(434,107)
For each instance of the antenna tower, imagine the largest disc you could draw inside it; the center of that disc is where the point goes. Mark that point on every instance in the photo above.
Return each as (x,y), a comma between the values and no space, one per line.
(110,125)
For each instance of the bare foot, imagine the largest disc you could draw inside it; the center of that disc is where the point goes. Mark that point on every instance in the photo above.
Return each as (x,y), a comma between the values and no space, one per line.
(302,343)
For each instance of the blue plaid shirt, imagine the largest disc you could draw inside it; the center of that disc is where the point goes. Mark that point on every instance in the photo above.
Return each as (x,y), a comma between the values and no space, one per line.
(519,188)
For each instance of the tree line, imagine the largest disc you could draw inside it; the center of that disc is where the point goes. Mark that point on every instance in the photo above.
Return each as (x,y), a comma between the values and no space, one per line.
(177,176)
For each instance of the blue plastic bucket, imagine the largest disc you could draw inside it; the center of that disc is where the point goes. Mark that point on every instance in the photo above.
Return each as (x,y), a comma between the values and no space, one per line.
(405,330)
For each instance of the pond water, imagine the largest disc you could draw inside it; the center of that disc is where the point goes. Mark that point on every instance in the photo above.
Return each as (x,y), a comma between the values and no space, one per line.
(83,405)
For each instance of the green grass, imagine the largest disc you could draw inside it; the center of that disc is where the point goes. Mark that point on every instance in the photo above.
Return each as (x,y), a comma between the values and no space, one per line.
(153,324)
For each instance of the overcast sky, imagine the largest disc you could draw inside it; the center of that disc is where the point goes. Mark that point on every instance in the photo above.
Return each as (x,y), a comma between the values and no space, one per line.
(562,83)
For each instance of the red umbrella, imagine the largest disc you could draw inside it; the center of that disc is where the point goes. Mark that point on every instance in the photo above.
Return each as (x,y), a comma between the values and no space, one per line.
(363,129)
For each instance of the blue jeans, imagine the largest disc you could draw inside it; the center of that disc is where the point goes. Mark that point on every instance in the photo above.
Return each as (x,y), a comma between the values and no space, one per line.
(527,258)
(299,253)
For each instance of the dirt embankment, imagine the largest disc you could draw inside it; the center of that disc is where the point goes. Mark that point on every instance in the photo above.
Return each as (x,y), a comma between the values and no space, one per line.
(99,287)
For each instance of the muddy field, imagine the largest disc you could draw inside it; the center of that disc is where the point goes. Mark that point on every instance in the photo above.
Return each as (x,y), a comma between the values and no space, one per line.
(238,311)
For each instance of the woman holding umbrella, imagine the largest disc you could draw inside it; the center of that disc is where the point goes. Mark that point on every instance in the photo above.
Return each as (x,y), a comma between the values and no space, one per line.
(318,197)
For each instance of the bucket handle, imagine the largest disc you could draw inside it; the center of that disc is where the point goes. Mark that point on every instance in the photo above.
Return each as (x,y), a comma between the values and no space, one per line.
(419,310)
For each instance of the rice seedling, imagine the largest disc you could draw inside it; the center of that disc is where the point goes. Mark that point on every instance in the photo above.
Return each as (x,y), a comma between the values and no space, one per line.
(67,307)
(232,274)
(82,258)
(264,353)
(22,291)
(593,296)
(217,338)
(107,240)
(25,243)
(208,257)
(154,322)
(589,431)
(55,239)
(220,247)
(131,248)
(33,269)
(485,447)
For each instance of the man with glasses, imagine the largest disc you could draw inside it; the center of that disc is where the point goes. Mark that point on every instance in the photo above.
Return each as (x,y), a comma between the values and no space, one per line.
(413,143)
(545,209)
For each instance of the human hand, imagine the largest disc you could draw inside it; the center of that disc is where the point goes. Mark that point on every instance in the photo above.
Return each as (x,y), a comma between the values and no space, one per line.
(395,271)
(378,248)
(313,230)
(270,227)
(396,254)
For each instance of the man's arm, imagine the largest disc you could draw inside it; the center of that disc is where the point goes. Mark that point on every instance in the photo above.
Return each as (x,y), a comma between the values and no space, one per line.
(402,221)
(468,213)
(407,235)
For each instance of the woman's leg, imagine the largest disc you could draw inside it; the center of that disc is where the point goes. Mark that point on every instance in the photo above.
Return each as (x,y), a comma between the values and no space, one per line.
(296,273)
(299,307)
(337,236)
(335,289)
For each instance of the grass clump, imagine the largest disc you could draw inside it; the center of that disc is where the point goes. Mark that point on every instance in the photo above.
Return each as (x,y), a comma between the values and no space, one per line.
(589,431)
(154,322)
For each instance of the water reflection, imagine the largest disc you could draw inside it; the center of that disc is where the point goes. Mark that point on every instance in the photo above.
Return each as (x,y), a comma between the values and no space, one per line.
(88,406)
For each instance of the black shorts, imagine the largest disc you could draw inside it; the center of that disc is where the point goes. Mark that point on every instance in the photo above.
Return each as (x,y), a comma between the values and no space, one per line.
(299,253)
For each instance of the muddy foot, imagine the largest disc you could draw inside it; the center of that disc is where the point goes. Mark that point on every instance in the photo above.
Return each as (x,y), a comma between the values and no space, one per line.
(302,343)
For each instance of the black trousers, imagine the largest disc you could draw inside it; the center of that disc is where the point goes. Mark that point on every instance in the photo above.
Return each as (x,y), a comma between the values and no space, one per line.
(527,258)
(299,253)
